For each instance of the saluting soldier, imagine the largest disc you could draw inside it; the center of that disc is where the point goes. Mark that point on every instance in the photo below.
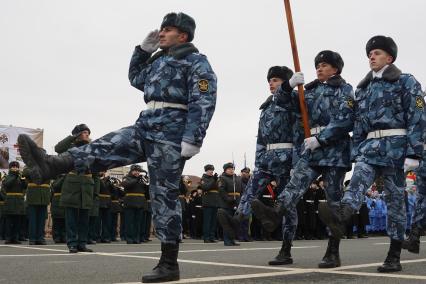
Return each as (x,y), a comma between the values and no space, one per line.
(13,191)
(210,203)
(134,203)
(77,194)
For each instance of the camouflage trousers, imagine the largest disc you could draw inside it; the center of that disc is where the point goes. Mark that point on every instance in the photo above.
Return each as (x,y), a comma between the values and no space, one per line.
(303,176)
(127,146)
(419,217)
(254,189)
(363,177)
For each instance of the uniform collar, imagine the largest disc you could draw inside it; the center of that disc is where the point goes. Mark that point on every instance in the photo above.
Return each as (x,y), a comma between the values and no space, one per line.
(390,74)
(335,81)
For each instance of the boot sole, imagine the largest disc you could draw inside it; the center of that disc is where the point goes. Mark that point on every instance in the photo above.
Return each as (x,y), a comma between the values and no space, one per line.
(259,211)
(387,270)
(276,262)
(410,248)
(25,145)
(326,216)
(164,279)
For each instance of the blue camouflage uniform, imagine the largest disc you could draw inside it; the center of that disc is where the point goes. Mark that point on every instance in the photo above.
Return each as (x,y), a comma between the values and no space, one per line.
(393,102)
(184,79)
(330,108)
(276,124)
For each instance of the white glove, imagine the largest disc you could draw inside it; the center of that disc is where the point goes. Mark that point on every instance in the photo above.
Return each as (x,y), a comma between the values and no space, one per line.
(410,164)
(189,150)
(297,79)
(151,42)
(311,143)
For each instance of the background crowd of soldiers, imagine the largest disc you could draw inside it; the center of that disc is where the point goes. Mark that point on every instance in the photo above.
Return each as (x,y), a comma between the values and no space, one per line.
(121,209)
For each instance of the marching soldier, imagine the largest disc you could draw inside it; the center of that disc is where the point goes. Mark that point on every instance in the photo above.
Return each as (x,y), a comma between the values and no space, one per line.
(13,191)
(94,221)
(116,196)
(179,88)
(387,140)
(330,103)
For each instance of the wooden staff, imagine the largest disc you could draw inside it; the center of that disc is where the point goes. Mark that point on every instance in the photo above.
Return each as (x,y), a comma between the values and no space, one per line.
(301,92)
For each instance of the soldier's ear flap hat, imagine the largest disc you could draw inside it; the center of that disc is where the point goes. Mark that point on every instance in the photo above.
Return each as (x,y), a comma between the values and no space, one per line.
(281,72)
(227,166)
(79,128)
(330,57)
(208,168)
(181,21)
(14,164)
(384,43)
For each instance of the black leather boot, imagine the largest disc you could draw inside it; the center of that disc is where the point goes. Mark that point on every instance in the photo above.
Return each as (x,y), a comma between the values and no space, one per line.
(335,217)
(392,263)
(167,268)
(42,166)
(331,258)
(230,224)
(270,217)
(284,256)
(412,244)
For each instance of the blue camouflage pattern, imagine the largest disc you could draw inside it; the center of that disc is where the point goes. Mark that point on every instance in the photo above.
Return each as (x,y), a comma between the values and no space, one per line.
(157,134)
(363,177)
(330,105)
(172,80)
(276,125)
(394,101)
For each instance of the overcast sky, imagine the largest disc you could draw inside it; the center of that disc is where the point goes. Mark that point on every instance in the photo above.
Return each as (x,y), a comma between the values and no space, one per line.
(65,62)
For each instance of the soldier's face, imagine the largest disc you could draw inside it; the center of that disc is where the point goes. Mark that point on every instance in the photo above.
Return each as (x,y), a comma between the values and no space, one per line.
(325,71)
(274,83)
(171,36)
(84,136)
(378,59)
(209,172)
(229,171)
(136,173)
(14,169)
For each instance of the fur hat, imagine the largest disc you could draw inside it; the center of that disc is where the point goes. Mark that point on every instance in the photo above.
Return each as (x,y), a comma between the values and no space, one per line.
(330,57)
(80,128)
(281,72)
(227,166)
(14,164)
(208,168)
(136,168)
(384,43)
(181,21)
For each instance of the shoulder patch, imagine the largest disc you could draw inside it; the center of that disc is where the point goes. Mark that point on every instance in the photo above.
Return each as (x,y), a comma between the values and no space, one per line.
(350,103)
(203,85)
(420,103)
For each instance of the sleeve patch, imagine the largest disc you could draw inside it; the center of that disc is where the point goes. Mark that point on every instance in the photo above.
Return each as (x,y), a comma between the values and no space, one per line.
(203,85)
(419,103)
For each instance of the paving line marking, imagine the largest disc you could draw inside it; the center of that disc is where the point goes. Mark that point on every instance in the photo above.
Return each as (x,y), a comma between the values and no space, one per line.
(389,275)
(387,243)
(232,277)
(29,255)
(374,264)
(211,250)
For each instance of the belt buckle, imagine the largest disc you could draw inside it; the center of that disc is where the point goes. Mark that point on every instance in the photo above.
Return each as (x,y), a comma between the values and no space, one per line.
(380,133)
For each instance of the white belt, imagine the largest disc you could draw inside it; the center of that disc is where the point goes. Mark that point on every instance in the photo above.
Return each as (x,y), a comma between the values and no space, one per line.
(309,201)
(158,105)
(266,196)
(424,147)
(198,206)
(322,200)
(317,130)
(386,132)
(279,146)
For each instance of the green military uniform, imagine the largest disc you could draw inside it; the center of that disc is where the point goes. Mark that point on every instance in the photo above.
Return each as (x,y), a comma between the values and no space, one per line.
(94,222)
(116,208)
(134,205)
(210,201)
(37,199)
(13,191)
(105,211)
(77,198)
(57,211)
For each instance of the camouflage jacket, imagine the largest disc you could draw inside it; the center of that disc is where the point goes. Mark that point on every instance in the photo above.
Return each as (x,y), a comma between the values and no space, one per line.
(330,106)
(276,125)
(181,76)
(392,102)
